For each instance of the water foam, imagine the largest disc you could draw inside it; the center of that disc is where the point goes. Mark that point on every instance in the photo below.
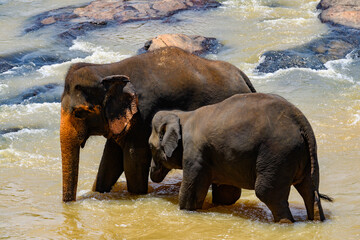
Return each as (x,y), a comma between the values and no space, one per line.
(10,71)
(30,116)
(3,87)
(335,67)
(98,55)
(26,131)
(28,109)
(285,21)
(18,158)
(356,120)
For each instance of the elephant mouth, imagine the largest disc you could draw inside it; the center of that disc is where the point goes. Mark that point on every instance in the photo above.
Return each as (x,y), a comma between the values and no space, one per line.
(158,173)
(82,144)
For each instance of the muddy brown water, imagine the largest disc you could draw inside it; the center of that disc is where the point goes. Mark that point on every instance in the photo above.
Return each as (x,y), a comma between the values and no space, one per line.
(30,163)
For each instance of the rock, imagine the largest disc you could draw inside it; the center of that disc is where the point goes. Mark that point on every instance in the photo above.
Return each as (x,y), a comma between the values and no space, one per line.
(335,45)
(5,65)
(9,130)
(37,94)
(276,60)
(343,38)
(99,13)
(49,20)
(26,61)
(193,44)
(342,12)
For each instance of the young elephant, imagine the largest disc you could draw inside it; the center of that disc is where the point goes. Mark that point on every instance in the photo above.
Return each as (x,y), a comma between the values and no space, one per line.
(252,141)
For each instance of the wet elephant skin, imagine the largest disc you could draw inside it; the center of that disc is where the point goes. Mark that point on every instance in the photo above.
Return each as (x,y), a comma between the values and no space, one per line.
(118,101)
(253,141)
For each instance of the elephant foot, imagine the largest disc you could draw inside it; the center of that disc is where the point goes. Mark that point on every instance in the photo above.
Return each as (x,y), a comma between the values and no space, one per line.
(137,184)
(225,194)
(138,191)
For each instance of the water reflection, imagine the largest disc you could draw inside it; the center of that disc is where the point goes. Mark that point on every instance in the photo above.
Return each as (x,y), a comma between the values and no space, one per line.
(71,227)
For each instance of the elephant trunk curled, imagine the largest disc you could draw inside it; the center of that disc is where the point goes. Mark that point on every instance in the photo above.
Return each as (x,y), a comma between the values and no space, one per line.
(157,172)
(70,142)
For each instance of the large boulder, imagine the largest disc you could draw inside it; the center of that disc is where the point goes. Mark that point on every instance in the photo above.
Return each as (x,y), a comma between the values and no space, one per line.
(193,44)
(124,11)
(342,12)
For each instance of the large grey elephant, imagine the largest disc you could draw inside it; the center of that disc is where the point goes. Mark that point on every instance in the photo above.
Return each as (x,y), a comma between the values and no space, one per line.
(252,141)
(118,101)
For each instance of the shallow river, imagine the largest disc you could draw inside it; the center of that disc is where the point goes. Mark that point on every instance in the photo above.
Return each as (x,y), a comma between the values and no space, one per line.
(30,162)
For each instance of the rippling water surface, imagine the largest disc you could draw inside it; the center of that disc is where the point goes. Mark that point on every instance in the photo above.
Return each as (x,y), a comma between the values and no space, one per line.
(30,163)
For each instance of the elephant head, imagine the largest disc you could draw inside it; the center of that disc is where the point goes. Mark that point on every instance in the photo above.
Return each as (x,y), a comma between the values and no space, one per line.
(165,144)
(91,106)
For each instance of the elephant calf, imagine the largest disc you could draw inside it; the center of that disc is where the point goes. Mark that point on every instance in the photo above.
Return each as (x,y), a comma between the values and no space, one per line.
(252,141)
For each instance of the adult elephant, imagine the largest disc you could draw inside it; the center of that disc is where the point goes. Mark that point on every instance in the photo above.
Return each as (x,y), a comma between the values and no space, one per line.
(118,101)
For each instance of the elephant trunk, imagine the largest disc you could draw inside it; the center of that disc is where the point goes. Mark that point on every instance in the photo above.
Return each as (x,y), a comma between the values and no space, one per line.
(70,152)
(157,172)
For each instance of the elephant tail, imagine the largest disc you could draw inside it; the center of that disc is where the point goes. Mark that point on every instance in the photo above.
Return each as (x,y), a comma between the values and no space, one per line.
(309,137)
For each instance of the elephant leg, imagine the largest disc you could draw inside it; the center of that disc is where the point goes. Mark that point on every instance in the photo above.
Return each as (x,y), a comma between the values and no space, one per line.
(305,189)
(225,194)
(194,187)
(111,167)
(137,159)
(281,211)
(275,196)
(136,166)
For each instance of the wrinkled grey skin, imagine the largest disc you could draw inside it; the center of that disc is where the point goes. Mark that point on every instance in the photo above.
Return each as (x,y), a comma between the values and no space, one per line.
(252,141)
(118,101)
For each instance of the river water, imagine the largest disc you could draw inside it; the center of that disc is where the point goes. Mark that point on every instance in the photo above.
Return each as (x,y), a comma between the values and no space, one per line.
(30,162)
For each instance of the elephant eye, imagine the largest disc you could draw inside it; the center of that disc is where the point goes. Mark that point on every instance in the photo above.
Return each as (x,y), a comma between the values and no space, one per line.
(81,113)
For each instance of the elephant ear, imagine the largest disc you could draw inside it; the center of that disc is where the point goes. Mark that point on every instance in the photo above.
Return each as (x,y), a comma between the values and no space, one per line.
(121,103)
(170,134)
(110,81)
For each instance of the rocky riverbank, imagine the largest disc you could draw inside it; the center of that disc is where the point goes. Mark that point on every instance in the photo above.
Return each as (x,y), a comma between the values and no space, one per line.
(73,21)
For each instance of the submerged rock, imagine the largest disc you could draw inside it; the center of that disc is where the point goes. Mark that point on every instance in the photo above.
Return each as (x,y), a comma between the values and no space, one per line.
(343,17)
(31,60)
(38,94)
(9,130)
(5,65)
(338,43)
(276,60)
(74,21)
(193,44)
